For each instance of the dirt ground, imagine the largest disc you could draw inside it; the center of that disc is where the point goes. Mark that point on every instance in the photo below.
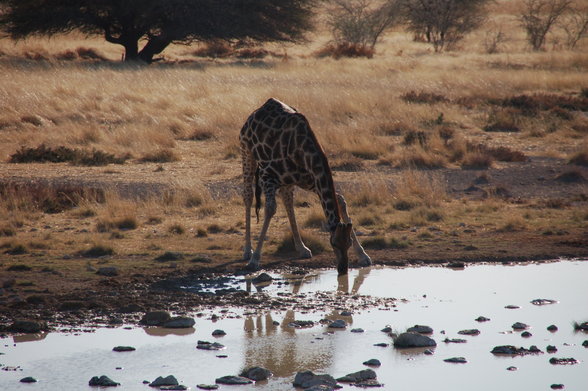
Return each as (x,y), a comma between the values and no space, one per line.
(66,290)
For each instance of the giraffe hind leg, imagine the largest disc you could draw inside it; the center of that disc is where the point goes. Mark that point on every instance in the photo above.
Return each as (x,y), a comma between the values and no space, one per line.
(287,195)
(363,258)
(268,213)
(249,167)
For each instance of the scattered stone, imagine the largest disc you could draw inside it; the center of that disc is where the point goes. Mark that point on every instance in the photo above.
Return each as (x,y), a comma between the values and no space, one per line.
(563,361)
(179,322)
(543,301)
(28,326)
(557,386)
(368,383)
(454,340)
(553,328)
(551,349)
(355,377)
(421,329)
(102,381)
(218,333)
(429,352)
(373,362)
(581,326)
(512,307)
(357,330)
(130,308)
(386,329)
(456,360)
(526,334)
(164,381)
(585,343)
(514,351)
(512,369)
(301,324)
(207,386)
(107,271)
(233,380)
(262,278)
(456,265)
(179,387)
(382,344)
(205,345)
(256,373)
(124,349)
(519,326)
(482,319)
(469,332)
(155,318)
(338,324)
(308,379)
(413,340)
(28,379)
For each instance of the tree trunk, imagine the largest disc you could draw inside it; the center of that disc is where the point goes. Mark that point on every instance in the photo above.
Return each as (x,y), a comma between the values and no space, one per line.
(155,45)
(131,49)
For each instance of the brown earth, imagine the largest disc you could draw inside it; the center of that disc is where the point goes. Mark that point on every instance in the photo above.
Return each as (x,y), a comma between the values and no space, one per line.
(73,293)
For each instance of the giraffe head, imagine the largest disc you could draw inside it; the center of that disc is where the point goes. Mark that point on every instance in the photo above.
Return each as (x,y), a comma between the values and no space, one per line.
(341,241)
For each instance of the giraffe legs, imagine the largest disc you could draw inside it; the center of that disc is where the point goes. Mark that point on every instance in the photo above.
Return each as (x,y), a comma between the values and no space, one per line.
(269,211)
(364,259)
(249,167)
(287,195)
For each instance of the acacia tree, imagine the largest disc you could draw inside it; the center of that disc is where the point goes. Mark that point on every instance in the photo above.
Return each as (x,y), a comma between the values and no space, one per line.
(539,16)
(443,22)
(159,22)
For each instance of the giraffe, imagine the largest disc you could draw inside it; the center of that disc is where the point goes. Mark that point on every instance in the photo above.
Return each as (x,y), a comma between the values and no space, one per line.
(280,151)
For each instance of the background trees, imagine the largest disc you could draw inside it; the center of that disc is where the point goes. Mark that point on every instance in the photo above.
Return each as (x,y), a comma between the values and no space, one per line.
(158,23)
(539,16)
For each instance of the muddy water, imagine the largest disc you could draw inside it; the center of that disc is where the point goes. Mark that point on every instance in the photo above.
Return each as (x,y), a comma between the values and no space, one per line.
(445,299)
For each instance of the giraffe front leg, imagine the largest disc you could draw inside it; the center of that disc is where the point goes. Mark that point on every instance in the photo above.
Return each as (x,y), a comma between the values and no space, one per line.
(363,258)
(249,167)
(269,211)
(287,195)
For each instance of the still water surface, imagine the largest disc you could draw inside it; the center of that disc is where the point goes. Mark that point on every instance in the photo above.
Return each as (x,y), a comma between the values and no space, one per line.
(447,300)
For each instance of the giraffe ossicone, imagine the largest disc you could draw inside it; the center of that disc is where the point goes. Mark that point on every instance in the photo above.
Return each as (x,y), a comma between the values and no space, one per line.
(279,151)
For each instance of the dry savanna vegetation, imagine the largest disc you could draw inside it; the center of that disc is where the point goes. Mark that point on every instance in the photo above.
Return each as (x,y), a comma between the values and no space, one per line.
(457,154)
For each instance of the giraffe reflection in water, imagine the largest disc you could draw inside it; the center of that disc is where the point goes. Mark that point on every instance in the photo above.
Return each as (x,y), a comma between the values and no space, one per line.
(271,343)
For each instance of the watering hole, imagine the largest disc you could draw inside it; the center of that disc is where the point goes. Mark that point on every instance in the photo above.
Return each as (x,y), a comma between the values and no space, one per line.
(447,300)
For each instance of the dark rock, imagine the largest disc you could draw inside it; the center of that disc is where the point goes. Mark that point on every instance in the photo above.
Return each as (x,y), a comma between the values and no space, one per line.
(307,379)
(155,318)
(71,306)
(373,362)
(482,319)
(169,256)
(553,328)
(218,333)
(512,307)
(28,326)
(358,330)
(557,386)
(262,279)
(456,265)
(164,381)
(129,309)
(366,374)
(543,301)
(102,381)
(256,373)
(585,343)
(346,313)
(338,324)
(233,380)
(551,349)
(207,386)
(368,383)
(124,349)
(421,329)
(526,334)
(563,361)
(454,340)
(178,387)
(107,271)
(413,340)
(386,329)
(382,344)
(28,379)
(581,326)
(179,322)
(469,332)
(456,360)
(301,324)
(520,326)
(205,345)
(513,350)
(511,369)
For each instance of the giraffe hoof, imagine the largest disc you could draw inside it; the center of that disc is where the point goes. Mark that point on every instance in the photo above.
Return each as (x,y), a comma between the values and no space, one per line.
(305,253)
(365,261)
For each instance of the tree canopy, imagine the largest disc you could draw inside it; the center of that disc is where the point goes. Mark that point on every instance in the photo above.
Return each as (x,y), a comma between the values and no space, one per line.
(159,22)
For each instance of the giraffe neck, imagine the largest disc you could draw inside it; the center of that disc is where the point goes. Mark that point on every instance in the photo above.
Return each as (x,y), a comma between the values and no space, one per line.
(325,188)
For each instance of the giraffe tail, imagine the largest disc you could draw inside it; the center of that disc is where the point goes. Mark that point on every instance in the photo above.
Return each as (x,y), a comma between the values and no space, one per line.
(257,194)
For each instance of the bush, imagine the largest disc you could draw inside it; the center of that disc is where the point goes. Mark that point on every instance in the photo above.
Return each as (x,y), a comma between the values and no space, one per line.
(160,156)
(539,16)
(96,251)
(44,154)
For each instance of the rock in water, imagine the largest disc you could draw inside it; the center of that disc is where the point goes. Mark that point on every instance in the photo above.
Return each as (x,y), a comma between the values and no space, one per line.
(102,381)
(256,373)
(366,374)
(374,362)
(262,278)
(207,386)
(218,333)
(164,381)
(469,332)
(413,340)
(520,326)
(307,379)
(205,345)
(179,322)
(421,329)
(155,318)
(563,361)
(456,360)
(124,349)
(338,324)
(233,380)
(28,379)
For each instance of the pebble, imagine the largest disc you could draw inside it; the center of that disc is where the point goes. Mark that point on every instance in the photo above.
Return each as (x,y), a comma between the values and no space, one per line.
(205,345)
(512,307)
(543,301)
(429,352)
(551,349)
(585,343)
(107,271)
(338,324)
(164,381)
(526,334)
(346,313)
(482,319)
(178,387)
(218,333)
(233,380)
(382,344)
(207,386)
(511,369)
(563,361)
(123,349)
(357,330)
(519,326)
(421,329)
(28,379)
(456,360)
(454,340)
(557,386)
(373,362)
(386,329)
(413,340)
(102,381)
(469,332)
(553,328)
